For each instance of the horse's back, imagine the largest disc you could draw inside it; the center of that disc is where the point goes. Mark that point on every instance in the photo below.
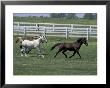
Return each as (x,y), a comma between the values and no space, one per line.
(27,42)
(69,46)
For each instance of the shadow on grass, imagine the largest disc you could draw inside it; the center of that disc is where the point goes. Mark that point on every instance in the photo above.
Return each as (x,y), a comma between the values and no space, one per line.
(72,59)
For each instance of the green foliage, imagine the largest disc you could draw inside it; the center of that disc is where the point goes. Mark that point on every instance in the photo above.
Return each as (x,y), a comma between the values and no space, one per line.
(55,20)
(57,15)
(90,16)
(71,16)
(63,15)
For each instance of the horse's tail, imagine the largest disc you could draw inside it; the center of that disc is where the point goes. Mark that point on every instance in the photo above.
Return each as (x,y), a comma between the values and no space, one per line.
(55,45)
(17,40)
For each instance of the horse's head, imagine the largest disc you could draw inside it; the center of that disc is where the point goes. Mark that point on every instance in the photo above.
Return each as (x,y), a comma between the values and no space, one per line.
(82,41)
(43,39)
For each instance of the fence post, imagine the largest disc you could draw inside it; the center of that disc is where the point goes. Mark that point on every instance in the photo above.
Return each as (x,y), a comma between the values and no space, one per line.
(87,33)
(18,28)
(67,33)
(44,31)
(71,27)
(37,26)
(24,31)
(90,31)
(53,27)
(37,29)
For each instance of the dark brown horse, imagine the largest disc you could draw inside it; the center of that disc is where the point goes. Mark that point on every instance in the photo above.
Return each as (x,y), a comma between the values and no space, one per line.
(75,46)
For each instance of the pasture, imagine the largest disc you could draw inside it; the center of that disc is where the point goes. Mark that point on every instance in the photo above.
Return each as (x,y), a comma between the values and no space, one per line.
(36,65)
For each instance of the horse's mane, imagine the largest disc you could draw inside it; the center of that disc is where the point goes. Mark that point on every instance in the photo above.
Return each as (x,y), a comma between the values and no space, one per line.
(80,39)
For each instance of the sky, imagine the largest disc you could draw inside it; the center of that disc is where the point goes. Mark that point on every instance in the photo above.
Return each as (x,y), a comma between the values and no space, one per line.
(41,14)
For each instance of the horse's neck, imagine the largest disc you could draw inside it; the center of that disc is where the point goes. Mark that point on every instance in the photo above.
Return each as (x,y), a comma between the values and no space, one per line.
(79,43)
(38,40)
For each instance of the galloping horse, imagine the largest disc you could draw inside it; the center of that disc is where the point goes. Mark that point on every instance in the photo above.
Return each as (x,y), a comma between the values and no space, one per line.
(75,46)
(27,44)
(21,39)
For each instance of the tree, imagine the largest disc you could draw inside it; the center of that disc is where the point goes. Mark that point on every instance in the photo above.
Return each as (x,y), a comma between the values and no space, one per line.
(90,16)
(95,15)
(57,15)
(53,15)
(71,16)
(61,15)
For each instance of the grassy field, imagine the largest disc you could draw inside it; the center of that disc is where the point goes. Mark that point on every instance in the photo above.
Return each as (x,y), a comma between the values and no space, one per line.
(35,65)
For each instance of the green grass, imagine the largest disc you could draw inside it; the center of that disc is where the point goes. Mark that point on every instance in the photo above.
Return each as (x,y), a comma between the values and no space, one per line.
(35,65)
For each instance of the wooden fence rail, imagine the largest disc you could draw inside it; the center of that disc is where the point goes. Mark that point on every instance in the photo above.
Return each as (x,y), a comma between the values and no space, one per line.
(60,30)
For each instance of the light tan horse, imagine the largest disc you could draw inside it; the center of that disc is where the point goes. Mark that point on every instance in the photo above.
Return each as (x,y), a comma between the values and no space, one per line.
(34,44)
(21,39)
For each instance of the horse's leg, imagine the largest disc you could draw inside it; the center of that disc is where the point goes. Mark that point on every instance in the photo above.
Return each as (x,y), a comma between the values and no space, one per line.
(78,54)
(25,51)
(73,54)
(22,52)
(25,54)
(38,48)
(57,52)
(42,48)
(28,50)
(64,53)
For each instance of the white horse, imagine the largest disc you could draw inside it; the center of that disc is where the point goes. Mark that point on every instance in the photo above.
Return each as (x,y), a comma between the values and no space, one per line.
(21,39)
(28,45)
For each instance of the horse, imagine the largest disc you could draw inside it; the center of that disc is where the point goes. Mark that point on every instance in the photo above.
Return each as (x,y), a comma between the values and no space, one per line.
(21,39)
(75,46)
(27,44)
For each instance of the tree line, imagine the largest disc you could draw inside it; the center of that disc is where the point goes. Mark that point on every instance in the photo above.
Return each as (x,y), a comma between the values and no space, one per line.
(73,15)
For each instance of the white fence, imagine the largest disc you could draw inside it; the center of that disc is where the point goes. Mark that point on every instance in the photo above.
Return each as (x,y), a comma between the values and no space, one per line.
(51,29)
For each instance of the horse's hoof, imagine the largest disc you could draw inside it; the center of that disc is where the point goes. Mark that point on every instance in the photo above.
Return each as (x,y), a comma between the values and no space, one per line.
(21,55)
(26,56)
(42,56)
